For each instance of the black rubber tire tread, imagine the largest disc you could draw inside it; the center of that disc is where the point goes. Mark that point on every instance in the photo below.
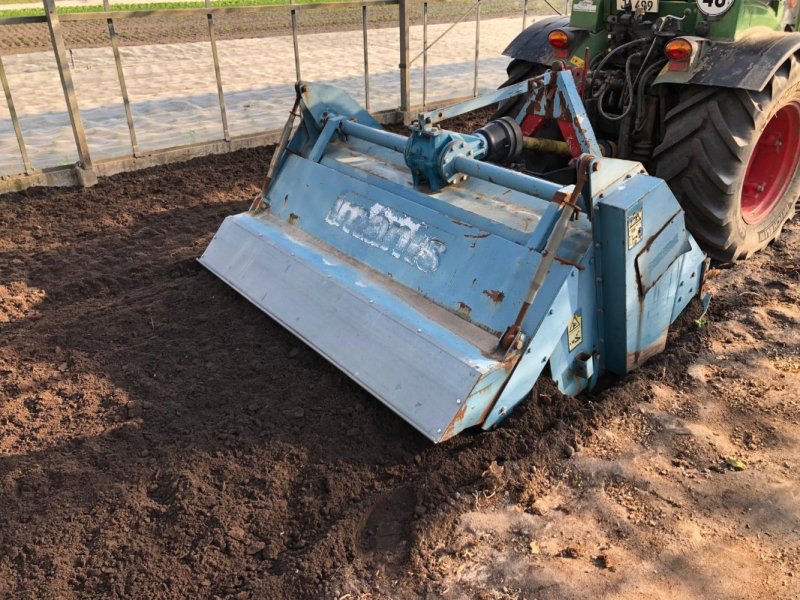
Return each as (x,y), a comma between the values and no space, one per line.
(709,137)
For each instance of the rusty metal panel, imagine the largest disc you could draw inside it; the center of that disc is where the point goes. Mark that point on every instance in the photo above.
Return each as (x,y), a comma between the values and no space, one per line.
(650,265)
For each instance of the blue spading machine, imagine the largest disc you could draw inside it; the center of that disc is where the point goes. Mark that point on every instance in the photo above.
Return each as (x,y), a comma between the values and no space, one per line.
(446,284)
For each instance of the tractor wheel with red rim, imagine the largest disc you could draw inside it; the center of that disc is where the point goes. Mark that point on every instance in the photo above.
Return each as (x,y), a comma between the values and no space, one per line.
(732,158)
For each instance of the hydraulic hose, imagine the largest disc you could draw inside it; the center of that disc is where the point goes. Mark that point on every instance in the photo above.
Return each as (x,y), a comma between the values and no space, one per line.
(643,80)
(631,98)
(608,56)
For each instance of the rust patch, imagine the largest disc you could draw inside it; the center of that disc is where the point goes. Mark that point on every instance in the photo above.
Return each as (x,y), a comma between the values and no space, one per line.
(293,218)
(464,309)
(496,295)
(451,427)
(507,363)
(477,235)
(565,261)
(637,358)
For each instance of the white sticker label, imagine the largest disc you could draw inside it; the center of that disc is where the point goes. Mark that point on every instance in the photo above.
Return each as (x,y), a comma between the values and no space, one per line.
(587,6)
(634,228)
(647,6)
(714,8)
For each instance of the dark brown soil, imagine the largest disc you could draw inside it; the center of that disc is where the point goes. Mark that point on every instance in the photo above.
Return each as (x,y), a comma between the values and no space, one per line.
(160,437)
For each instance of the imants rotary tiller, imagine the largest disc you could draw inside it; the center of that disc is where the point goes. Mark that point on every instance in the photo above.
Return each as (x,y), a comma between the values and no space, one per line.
(446,284)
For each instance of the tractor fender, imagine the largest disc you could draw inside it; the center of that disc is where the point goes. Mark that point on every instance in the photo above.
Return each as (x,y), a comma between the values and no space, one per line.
(531,45)
(747,63)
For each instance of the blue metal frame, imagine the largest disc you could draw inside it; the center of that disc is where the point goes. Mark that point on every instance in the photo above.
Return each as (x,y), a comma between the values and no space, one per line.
(405,260)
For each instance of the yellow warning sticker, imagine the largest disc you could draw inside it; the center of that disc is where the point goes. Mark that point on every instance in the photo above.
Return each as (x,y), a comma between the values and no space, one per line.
(577,61)
(634,228)
(574,332)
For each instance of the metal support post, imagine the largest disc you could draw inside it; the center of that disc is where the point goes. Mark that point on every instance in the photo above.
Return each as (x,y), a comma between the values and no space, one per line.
(366,56)
(85,170)
(405,62)
(524,14)
(112,34)
(294,42)
(213,37)
(26,164)
(424,55)
(477,47)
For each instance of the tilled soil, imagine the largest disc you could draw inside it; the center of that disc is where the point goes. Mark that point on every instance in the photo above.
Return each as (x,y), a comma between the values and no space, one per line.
(33,37)
(160,437)
(687,485)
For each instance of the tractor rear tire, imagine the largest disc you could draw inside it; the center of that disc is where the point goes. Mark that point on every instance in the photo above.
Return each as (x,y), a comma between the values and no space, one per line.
(732,158)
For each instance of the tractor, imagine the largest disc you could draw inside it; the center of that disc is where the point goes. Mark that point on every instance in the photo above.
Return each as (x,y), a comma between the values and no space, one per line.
(705,94)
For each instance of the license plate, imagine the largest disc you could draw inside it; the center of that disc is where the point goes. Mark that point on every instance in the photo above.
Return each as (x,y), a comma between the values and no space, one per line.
(648,6)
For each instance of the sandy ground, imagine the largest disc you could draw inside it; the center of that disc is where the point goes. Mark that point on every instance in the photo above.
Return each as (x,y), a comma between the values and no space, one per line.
(174,94)
(161,438)
(651,503)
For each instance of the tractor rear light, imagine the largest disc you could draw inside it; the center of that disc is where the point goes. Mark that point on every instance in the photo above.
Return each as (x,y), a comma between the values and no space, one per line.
(680,52)
(679,49)
(560,40)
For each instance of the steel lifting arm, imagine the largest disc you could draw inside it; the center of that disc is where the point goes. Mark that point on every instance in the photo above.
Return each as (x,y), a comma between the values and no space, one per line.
(567,209)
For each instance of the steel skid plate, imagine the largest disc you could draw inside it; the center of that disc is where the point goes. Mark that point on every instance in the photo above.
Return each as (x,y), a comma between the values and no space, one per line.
(434,369)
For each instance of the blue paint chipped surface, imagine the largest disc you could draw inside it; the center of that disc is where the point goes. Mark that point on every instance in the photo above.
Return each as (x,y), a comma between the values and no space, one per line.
(408,290)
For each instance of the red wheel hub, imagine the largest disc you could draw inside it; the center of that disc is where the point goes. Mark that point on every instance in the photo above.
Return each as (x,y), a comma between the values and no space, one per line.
(772,165)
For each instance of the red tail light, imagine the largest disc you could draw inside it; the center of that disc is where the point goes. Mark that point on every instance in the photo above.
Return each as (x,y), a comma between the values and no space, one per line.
(559,39)
(679,49)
